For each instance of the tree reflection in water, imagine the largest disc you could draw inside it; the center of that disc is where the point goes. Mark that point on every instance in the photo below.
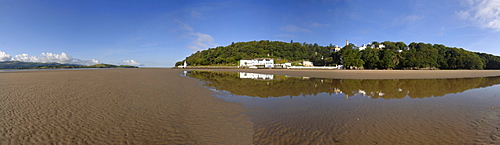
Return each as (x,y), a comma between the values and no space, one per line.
(265,86)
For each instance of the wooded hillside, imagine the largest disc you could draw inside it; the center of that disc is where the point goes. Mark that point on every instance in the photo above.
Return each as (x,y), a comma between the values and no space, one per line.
(395,55)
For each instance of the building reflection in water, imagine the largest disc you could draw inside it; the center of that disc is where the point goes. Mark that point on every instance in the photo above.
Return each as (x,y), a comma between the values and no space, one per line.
(256,76)
(265,85)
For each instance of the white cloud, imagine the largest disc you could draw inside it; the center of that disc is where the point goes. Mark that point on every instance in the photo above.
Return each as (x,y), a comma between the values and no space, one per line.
(4,56)
(293,28)
(50,57)
(484,13)
(131,62)
(201,41)
(47,57)
(25,58)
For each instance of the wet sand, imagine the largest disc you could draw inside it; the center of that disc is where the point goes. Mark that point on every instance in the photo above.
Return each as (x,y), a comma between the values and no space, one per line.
(159,106)
(116,106)
(307,111)
(372,74)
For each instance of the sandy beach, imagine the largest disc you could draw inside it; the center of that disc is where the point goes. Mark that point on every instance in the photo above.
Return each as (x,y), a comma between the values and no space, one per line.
(372,74)
(141,106)
(116,106)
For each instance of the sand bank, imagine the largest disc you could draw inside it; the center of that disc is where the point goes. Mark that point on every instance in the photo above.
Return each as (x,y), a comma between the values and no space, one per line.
(116,106)
(373,74)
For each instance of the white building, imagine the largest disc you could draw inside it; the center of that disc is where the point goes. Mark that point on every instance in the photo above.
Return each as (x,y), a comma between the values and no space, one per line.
(336,48)
(307,63)
(381,46)
(266,62)
(363,47)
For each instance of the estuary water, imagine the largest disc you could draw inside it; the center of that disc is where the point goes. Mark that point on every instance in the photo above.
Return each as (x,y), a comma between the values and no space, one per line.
(303,110)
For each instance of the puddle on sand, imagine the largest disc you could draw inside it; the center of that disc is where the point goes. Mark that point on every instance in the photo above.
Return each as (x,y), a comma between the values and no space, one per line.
(297,110)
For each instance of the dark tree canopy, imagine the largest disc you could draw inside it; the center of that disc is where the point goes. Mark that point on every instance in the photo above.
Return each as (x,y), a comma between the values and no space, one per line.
(395,55)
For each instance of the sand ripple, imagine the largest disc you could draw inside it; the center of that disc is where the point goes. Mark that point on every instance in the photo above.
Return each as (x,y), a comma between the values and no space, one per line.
(330,121)
(133,106)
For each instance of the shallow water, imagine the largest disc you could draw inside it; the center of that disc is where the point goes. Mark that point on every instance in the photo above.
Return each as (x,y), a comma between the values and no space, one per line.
(296,110)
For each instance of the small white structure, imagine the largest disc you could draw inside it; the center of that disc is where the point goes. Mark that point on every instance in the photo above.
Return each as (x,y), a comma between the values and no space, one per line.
(307,63)
(183,66)
(337,48)
(266,62)
(363,47)
(381,46)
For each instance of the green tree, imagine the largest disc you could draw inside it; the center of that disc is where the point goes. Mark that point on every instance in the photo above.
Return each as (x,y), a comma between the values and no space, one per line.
(370,57)
(351,58)
(389,59)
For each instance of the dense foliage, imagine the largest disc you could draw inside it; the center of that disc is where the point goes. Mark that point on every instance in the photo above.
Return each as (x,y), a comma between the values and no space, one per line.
(395,55)
(38,65)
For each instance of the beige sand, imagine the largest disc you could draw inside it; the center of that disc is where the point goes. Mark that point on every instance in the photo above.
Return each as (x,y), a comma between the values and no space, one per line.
(373,74)
(116,106)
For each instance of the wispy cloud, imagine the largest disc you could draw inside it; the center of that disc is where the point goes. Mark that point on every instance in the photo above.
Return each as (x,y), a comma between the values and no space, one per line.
(184,26)
(317,25)
(412,18)
(484,13)
(195,14)
(149,44)
(409,19)
(285,35)
(475,44)
(452,28)
(293,28)
(200,40)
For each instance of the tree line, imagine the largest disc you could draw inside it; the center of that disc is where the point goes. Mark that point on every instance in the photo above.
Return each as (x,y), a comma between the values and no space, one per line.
(395,55)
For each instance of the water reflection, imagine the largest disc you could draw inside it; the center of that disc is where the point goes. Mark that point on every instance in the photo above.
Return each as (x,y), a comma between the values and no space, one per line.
(265,86)
(256,76)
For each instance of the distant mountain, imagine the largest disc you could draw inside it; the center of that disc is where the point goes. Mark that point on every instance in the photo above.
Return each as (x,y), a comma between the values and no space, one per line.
(52,65)
(24,65)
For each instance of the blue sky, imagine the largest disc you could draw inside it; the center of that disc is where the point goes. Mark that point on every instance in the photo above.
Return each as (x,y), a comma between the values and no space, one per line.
(160,33)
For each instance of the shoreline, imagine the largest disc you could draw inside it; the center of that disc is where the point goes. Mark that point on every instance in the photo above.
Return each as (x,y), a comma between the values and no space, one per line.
(371,74)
